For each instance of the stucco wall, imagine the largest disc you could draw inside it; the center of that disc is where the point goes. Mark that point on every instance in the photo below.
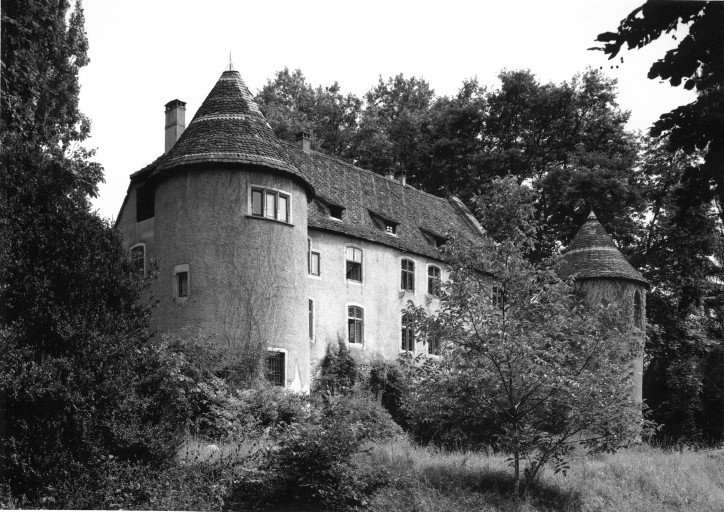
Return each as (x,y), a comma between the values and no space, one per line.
(248,284)
(622,293)
(379,294)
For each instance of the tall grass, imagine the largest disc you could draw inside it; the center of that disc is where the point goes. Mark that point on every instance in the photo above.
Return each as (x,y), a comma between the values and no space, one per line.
(635,480)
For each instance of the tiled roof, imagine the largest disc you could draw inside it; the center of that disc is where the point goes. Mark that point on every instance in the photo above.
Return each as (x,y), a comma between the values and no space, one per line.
(592,254)
(362,192)
(229,128)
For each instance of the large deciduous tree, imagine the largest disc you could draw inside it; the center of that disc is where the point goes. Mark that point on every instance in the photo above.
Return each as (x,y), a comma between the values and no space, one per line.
(697,62)
(73,333)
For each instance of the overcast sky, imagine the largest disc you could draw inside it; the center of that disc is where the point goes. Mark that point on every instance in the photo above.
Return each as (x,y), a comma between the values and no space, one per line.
(145,53)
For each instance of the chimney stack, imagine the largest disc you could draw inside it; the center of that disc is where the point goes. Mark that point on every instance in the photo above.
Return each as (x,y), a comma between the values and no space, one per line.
(304,139)
(403,178)
(175,122)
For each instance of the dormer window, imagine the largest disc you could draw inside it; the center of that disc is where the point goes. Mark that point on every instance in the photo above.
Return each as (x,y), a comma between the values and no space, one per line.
(335,211)
(385,224)
(145,195)
(433,239)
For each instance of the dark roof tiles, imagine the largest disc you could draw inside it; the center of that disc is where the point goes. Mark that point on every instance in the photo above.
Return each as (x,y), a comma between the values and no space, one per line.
(229,128)
(593,254)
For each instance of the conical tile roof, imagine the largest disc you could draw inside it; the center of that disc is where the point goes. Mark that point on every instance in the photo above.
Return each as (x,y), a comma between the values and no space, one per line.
(229,128)
(592,254)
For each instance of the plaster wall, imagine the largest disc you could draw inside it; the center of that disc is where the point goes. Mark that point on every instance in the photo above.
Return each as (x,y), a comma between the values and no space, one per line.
(379,295)
(622,293)
(247,275)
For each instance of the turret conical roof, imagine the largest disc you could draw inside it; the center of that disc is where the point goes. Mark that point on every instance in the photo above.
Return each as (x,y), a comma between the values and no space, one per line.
(593,254)
(230,128)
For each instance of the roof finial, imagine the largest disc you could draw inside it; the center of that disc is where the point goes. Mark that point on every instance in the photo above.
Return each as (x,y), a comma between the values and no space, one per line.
(230,67)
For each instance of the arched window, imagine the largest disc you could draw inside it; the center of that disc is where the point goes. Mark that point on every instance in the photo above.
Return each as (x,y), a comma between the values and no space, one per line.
(638,311)
(408,334)
(433,280)
(355,324)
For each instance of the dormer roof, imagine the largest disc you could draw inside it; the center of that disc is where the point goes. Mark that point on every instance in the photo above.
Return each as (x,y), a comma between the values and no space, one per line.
(593,254)
(230,128)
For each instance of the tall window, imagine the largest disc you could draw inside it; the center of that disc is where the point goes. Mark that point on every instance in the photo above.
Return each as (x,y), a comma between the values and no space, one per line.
(138,258)
(354,264)
(498,298)
(408,334)
(433,280)
(355,324)
(433,346)
(407,278)
(145,206)
(638,310)
(270,204)
(311,319)
(275,367)
(314,259)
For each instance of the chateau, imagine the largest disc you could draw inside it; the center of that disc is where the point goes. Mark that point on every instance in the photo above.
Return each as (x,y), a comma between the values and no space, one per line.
(263,244)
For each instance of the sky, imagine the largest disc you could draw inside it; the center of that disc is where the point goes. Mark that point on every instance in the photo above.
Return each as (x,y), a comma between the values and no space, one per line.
(145,53)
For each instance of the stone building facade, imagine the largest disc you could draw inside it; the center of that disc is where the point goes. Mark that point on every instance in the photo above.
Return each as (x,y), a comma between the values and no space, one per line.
(268,245)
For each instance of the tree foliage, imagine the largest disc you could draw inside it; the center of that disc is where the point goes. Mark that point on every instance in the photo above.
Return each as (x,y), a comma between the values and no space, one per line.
(74,327)
(527,365)
(698,63)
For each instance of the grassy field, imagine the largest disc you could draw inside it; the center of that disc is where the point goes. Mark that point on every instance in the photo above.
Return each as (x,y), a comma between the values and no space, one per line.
(635,480)
(428,480)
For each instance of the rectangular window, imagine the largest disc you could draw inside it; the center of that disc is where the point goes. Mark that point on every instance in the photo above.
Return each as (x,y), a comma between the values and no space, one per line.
(408,334)
(311,319)
(498,297)
(138,258)
(182,280)
(354,264)
(433,281)
(257,202)
(314,259)
(407,280)
(270,204)
(433,346)
(145,197)
(355,324)
(275,367)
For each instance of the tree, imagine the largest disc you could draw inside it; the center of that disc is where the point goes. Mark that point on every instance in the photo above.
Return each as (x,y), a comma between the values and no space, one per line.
(291,105)
(698,63)
(526,363)
(73,339)
(390,129)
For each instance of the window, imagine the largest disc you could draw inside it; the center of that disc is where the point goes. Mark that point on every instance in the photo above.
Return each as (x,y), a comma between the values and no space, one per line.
(638,311)
(407,278)
(275,367)
(408,334)
(311,319)
(181,282)
(355,324)
(498,297)
(138,258)
(314,263)
(391,229)
(145,195)
(386,225)
(354,264)
(433,280)
(270,204)
(335,211)
(433,346)
(433,239)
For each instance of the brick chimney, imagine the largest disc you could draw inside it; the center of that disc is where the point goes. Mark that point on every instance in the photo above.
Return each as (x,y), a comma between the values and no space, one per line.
(304,139)
(175,122)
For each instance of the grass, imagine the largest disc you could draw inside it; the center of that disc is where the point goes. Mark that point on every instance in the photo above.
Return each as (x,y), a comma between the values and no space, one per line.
(635,480)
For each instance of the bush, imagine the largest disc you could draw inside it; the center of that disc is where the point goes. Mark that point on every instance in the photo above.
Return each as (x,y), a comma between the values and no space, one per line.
(388,383)
(338,371)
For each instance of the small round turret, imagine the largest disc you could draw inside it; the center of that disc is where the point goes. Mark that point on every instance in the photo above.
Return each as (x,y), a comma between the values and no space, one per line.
(602,274)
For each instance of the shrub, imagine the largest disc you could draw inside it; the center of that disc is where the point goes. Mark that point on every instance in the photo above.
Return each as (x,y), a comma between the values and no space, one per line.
(338,371)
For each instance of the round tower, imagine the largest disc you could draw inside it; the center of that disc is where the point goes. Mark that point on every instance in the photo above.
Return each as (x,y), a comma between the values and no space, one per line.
(230,234)
(602,274)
